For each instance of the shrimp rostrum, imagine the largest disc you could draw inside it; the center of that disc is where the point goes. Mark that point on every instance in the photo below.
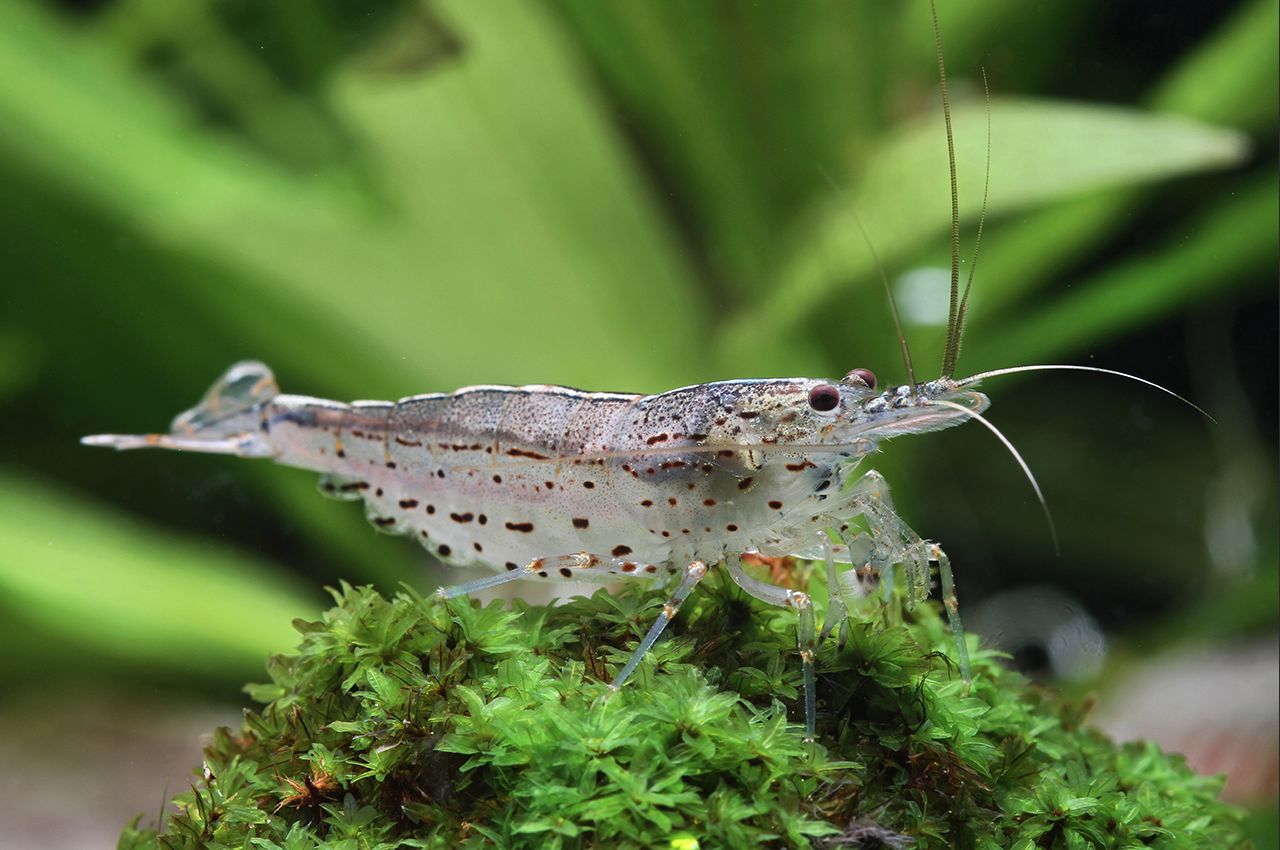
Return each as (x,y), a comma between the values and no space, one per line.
(545,482)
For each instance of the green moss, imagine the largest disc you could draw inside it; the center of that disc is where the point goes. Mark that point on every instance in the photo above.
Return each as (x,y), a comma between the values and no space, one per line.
(408,723)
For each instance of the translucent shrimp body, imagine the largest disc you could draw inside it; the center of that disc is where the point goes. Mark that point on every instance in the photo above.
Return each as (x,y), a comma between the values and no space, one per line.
(544,482)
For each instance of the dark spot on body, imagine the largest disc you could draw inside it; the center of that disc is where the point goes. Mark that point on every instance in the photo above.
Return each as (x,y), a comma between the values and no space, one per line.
(666,533)
(748,414)
(444,551)
(731,527)
(619,551)
(383,521)
(650,569)
(431,509)
(467,517)
(550,485)
(775,504)
(542,574)
(511,565)
(824,485)
(801,466)
(581,522)
(566,572)
(709,502)
(378,492)
(647,503)
(482,519)
(589,484)
(341,453)
(628,567)
(391,464)
(657,438)
(497,479)
(523,527)
(671,500)
(439,473)
(745,484)
(408,504)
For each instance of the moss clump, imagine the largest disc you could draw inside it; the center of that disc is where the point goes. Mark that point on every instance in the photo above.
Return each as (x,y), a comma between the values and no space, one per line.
(408,723)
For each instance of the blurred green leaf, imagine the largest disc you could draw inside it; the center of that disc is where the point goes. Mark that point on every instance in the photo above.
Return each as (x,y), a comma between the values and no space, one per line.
(1041,151)
(137,595)
(1223,249)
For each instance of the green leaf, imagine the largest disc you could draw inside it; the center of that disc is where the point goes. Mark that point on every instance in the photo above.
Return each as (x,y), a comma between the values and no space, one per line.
(136,595)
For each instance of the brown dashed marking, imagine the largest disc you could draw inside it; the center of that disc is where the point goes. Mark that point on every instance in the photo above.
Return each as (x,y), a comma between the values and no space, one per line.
(647,503)
(619,551)
(408,504)
(402,441)
(524,527)
(628,567)
(581,522)
(775,504)
(467,517)
(709,502)
(671,500)
(528,454)
(355,485)
(657,438)
(650,569)
(800,467)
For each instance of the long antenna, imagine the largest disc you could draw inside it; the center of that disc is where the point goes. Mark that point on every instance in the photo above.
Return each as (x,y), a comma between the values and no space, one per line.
(977,244)
(950,353)
(884,279)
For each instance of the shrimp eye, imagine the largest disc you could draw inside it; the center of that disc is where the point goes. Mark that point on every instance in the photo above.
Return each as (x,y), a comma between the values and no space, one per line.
(863,376)
(824,398)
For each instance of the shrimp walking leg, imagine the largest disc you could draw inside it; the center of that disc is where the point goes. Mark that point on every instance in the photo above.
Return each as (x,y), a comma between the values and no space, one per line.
(580,566)
(806,632)
(692,575)
(894,542)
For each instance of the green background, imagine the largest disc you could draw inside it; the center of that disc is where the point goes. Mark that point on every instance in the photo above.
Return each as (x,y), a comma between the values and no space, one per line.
(381,199)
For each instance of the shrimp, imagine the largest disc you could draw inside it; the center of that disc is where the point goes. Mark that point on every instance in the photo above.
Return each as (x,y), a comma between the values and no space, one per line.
(543,482)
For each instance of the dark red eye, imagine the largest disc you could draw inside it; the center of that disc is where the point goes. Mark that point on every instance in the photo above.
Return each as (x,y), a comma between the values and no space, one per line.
(824,397)
(863,376)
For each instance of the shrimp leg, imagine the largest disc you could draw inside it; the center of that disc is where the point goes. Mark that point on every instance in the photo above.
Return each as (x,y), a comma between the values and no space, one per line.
(806,631)
(692,575)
